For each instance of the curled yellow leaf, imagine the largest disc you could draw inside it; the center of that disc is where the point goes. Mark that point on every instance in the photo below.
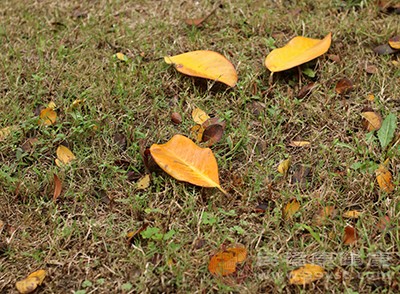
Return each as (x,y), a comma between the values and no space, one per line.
(299,50)
(205,64)
(284,166)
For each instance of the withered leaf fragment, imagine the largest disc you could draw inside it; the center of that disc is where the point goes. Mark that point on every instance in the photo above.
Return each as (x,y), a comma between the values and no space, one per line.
(344,86)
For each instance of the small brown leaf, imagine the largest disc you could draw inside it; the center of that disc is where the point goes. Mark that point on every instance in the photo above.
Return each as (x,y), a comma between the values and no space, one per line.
(350,235)
(306,274)
(29,144)
(371,69)
(394,42)
(334,58)
(176,118)
(372,121)
(213,134)
(290,209)
(384,49)
(344,86)
(305,90)
(134,235)
(57,187)
(199,21)
(324,214)
(383,223)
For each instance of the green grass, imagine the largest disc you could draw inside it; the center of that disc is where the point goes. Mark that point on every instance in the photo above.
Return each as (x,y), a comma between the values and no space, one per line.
(61,51)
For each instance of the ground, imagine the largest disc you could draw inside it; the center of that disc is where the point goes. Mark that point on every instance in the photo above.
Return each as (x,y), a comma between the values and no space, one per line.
(61,51)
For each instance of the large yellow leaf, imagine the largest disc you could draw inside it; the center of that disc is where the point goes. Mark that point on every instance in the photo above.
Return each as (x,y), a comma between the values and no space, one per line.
(298,51)
(181,158)
(205,64)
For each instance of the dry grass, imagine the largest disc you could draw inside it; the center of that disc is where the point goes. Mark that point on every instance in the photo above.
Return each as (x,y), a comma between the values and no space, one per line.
(52,51)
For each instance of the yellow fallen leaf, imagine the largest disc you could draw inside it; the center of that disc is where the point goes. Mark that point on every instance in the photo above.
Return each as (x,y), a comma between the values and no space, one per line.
(298,51)
(196,132)
(205,64)
(181,158)
(306,274)
(284,166)
(372,120)
(64,155)
(51,105)
(30,283)
(371,97)
(299,143)
(47,117)
(352,214)
(384,178)
(121,56)
(199,116)
(290,209)
(5,132)
(143,183)
(76,103)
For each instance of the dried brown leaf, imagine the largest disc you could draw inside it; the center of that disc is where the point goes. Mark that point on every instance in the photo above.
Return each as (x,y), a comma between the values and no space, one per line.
(344,86)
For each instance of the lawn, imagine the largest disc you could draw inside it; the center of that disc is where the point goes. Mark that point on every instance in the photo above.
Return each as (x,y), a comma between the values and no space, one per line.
(110,110)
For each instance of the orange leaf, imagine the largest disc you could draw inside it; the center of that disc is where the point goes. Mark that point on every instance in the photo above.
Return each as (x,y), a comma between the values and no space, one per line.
(47,117)
(30,283)
(306,274)
(185,161)
(298,51)
(290,209)
(350,235)
(224,262)
(384,178)
(57,187)
(205,64)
